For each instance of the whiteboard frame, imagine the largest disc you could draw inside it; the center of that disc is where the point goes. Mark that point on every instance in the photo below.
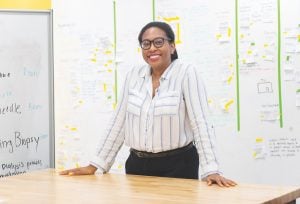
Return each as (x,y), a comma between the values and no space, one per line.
(49,13)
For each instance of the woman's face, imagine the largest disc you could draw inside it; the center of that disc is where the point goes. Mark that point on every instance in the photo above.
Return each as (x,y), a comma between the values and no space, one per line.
(157,58)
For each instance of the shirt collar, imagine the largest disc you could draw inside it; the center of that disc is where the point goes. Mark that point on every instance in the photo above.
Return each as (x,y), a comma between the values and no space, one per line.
(166,74)
(146,71)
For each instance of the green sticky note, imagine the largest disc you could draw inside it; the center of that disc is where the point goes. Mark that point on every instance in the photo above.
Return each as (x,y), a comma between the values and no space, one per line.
(298,91)
(287,58)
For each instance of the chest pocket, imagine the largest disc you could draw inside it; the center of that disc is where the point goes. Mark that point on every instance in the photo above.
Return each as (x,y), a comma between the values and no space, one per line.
(167,103)
(135,102)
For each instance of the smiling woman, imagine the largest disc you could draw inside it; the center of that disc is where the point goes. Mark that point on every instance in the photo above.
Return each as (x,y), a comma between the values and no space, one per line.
(162,115)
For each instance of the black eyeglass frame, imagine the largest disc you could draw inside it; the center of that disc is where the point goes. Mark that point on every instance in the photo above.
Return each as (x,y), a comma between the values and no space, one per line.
(153,42)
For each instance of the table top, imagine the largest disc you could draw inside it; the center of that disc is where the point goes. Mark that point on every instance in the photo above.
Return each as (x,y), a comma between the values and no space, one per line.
(46,186)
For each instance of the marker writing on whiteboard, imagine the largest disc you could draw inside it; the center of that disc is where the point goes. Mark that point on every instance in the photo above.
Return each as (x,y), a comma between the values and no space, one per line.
(26,141)
(19,142)
(7,144)
(11,168)
(12,108)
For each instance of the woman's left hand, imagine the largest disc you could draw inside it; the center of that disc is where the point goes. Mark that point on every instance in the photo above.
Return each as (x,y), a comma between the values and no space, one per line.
(220,180)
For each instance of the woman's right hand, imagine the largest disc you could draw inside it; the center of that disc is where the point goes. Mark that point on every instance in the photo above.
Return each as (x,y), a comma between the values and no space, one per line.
(87,170)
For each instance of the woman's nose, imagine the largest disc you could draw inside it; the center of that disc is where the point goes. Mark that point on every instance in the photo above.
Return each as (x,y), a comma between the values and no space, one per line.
(152,47)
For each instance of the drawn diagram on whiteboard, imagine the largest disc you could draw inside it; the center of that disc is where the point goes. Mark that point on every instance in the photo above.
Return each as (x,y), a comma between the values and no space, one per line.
(264,87)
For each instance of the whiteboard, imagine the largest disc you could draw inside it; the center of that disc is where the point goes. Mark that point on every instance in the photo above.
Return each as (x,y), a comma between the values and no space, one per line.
(26,92)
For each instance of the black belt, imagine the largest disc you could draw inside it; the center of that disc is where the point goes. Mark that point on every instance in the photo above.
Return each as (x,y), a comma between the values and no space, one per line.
(161,154)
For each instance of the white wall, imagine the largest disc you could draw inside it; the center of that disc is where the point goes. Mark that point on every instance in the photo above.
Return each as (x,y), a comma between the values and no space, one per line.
(255,144)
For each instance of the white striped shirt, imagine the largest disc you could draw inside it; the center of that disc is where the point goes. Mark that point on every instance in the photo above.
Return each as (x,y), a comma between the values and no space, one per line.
(174,117)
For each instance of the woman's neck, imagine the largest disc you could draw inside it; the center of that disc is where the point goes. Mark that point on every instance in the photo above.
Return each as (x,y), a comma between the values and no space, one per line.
(157,72)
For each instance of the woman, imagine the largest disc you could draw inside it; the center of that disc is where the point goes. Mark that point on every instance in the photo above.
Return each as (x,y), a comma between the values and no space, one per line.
(162,116)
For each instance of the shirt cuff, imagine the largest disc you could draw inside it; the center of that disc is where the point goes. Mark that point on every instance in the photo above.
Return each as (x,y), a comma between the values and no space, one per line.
(102,167)
(210,169)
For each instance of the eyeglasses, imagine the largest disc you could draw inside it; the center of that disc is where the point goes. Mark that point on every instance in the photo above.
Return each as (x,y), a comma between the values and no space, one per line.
(157,42)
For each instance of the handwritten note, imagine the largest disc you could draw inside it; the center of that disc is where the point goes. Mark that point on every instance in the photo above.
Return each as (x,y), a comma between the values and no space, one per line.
(19,167)
(284,147)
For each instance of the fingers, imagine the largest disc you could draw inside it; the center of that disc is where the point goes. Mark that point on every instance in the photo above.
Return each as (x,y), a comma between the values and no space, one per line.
(87,170)
(220,181)
(231,183)
(66,172)
(225,182)
(209,182)
(71,172)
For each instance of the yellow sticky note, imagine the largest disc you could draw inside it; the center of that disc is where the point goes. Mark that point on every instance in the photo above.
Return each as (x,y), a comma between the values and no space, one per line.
(169,19)
(108,52)
(229,32)
(229,79)
(218,36)
(114,105)
(73,129)
(259,139)
(104,87)
(254,154)
(228,104)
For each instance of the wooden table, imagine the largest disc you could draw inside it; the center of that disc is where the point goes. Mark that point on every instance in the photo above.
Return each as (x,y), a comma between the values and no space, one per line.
(46,186)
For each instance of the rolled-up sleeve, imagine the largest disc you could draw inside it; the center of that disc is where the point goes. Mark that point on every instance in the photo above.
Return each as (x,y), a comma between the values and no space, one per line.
(198,112)
(113,139)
